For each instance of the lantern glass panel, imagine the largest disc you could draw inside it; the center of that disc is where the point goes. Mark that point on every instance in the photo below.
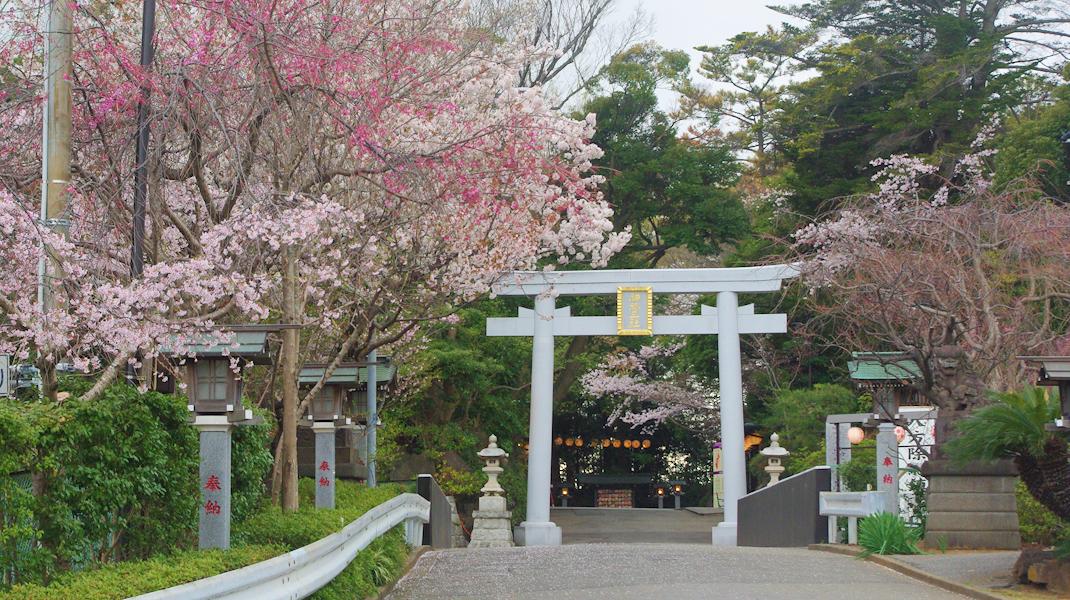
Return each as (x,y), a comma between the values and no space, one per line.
(212,378)
(324,404)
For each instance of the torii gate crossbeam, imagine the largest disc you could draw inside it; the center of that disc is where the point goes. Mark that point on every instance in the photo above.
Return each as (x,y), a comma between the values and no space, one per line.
(726,321)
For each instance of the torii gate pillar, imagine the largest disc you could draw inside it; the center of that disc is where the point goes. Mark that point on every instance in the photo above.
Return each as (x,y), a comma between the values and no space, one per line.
(730,377)
(727,321)
(537,529)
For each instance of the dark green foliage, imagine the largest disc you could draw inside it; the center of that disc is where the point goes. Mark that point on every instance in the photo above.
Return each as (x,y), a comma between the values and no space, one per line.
(1014,426)
(250,461)
(861,471)
(117,479)
(130,578)
(266,534)
(1033,146)
(118,475)
(293,530)
(798,416)
(917,501)
(885,533)
(1037,524)
(671,193)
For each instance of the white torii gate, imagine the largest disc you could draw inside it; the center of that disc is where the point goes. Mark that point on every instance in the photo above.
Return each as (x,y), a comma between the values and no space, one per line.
(727,321)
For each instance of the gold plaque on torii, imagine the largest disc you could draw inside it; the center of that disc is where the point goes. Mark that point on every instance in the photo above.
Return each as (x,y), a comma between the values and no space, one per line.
(635,311)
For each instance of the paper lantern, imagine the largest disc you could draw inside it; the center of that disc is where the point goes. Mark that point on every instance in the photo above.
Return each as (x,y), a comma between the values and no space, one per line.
(855,435)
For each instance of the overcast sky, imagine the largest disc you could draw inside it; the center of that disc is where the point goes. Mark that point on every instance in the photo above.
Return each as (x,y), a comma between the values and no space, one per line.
(684,24)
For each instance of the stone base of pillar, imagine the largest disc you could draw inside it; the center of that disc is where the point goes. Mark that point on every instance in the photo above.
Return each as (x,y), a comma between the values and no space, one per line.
(537,534)
(724,534)
(972,505)
(492,526)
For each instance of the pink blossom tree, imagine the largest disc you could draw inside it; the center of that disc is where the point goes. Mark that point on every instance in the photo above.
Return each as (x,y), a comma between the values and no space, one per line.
(647,392)
(962,279)
(355,168)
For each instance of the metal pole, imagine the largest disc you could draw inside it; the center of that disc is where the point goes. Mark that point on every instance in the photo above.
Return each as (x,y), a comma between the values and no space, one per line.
(373,416)
(137,248)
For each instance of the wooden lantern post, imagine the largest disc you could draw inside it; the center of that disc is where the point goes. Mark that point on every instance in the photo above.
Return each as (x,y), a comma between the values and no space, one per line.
(330,411)
(213,377)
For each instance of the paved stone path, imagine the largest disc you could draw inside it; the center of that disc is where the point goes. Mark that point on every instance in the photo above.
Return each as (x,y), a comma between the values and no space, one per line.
(983,569)
(645,571)
(634,525)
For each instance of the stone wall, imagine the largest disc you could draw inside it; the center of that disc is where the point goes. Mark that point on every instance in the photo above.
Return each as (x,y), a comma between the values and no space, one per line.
(610,498)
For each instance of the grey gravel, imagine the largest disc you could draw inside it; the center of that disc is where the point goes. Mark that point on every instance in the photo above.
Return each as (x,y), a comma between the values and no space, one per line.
(633,571)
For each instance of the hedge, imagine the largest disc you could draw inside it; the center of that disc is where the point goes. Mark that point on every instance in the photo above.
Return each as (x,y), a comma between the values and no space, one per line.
(265,534)
(117,479)
(122,580)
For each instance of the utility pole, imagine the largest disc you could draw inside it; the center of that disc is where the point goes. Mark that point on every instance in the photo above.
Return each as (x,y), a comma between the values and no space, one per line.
(137,249)
(55,157)
(141,161)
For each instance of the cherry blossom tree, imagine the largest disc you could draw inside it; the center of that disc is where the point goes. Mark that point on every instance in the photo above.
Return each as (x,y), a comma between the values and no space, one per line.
(355,168)
(648,393)
(962,279)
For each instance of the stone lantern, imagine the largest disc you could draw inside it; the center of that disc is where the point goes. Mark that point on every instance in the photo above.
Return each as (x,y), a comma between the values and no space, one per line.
(775,453)
(328,412)
(213,378)
(492,527)
(677,492)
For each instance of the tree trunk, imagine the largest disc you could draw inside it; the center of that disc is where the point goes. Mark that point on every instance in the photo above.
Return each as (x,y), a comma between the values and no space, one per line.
(291,343)
(49,382)
(1048,477)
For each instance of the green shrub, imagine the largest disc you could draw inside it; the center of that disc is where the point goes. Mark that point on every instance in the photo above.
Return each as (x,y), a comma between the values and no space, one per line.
(265,534)
(375,566)
(885,533)
(271,525)
(1036,523)
(861,470)
(134,577)
(118,474)
(250,460)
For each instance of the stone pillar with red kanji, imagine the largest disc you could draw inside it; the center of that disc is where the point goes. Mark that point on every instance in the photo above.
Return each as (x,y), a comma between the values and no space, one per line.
(214,507)
(325,454)
(888,466)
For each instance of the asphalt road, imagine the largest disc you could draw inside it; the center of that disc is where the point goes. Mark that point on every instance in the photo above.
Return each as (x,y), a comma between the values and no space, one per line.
(634,571)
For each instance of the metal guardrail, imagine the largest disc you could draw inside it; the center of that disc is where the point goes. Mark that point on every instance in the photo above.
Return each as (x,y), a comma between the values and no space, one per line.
(853,505)
(299,573)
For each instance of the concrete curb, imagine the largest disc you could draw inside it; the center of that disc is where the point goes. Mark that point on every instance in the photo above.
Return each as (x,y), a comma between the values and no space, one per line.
(409,563)
(910,571)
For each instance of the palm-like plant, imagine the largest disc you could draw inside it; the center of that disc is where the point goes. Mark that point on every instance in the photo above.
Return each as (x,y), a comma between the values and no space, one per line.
(1014,427)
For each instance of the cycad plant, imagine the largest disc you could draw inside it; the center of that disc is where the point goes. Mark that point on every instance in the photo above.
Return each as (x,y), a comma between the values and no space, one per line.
(885,533)
(1014,427)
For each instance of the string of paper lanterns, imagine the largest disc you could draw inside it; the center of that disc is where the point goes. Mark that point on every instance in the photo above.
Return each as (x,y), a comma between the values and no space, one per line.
(578,442)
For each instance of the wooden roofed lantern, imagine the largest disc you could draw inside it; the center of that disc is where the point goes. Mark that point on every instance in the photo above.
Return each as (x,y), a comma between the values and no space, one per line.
(334,402)
(1054,371)
(213,368)
(889,378)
